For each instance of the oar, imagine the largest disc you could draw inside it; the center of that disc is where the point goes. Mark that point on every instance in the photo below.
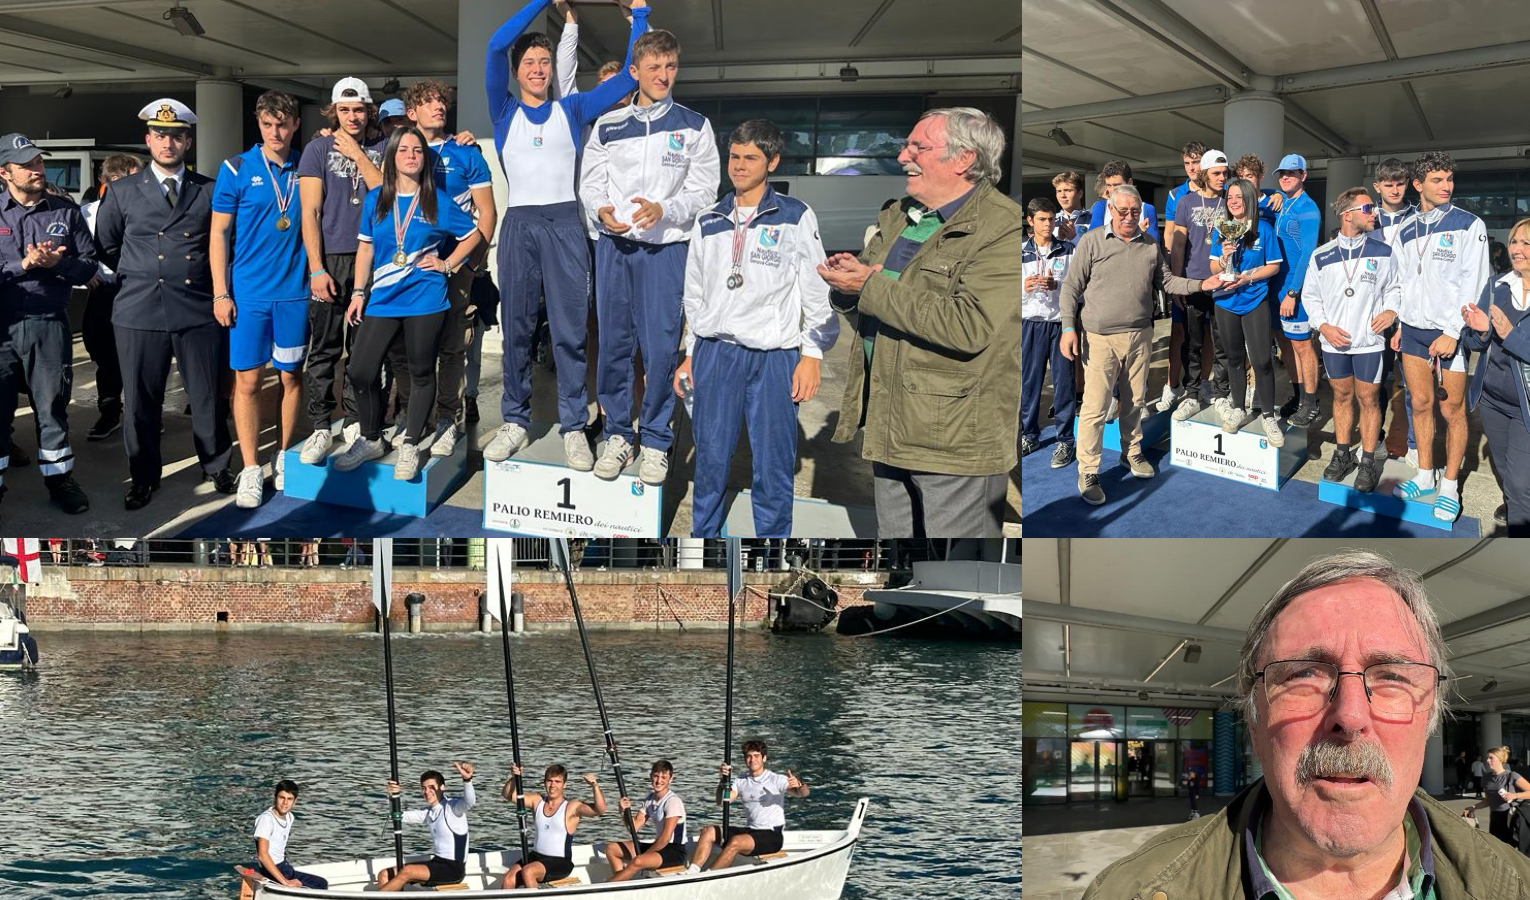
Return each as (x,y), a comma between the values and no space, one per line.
(382,566)
(515,731)
(735,585)
(561,559)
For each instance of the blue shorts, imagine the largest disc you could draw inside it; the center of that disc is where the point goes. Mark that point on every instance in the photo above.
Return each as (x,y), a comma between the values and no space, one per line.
(268,331)
(1296,327)
(1364,367)
(1416,341)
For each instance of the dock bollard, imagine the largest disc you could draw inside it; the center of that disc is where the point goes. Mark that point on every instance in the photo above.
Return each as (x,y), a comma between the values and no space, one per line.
(415,603)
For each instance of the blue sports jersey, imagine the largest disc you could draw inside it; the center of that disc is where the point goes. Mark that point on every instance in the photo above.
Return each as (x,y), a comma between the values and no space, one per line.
(1265,250)
(405,290)
(458,170)
(267,263)
(1172,203)
(1265,213)
(1299,226)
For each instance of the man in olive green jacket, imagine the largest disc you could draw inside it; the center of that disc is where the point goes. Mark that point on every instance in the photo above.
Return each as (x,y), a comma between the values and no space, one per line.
(935,298)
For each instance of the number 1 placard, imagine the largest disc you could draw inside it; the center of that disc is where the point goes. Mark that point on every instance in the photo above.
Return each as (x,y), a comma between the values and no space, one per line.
(536,498)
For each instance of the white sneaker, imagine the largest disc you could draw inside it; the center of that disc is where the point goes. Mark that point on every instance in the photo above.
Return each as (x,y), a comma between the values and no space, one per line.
(576,450)
(1272,431)
(1222,405)
(1232,417)
(316,447)
(614,458)
(408,463)
(281,470)
(692,869)
(509,440)
(1114,412)
(445,442)
(251,488)
(397,440)
(361,450)
(350,433)
(1187,408)
(1166,399)
(653,466)
(1412,457)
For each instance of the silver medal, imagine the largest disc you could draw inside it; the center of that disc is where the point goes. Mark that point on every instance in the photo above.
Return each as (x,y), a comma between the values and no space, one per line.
(735,281)
(355,201)
(1349,292)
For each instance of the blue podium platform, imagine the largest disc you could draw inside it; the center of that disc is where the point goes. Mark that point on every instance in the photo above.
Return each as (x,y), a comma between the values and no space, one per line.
(372,485)
(810,518)
(1155,430)
(1381,502)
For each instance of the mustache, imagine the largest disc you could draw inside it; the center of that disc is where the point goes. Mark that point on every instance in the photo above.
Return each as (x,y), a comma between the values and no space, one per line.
(912,169)
(1363,759)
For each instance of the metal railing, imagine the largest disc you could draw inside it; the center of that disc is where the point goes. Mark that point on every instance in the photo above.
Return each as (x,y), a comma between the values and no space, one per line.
(469,553)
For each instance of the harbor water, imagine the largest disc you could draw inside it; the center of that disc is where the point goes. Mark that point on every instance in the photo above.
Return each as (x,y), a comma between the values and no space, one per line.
(137,762)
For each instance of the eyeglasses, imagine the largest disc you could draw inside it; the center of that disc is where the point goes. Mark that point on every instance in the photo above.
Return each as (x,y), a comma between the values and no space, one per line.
(915,148)
(1366,208)
(1396,691)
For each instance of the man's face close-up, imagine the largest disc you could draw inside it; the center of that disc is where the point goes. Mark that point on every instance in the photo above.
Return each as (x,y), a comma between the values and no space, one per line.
(1342,802)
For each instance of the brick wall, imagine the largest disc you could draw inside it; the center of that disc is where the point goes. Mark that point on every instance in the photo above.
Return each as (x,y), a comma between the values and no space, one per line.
(193,597)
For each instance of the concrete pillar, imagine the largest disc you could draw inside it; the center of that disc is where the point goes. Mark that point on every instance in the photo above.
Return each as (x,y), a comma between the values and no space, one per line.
(1344,172)
(220,124)
(692,554)
(1491,734)
(1432,779)
(1014,163)
(313,120)
(476,21)
(1255,122)
(1224,764)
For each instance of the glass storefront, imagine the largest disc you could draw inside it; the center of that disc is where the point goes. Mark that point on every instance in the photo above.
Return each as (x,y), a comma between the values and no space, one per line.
(1087,752)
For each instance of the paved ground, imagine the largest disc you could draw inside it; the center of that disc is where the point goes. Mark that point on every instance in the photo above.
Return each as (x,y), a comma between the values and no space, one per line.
(826,470)
(1060,864)
(1480,495)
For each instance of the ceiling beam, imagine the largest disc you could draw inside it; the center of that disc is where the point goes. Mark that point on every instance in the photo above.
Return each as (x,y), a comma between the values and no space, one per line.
(1335,142)
(1178,33)
(871,22)
(205,38)
(288,23)
(1250,572)
(97,44)
(1450,62)
(1168,100)
(1041,611)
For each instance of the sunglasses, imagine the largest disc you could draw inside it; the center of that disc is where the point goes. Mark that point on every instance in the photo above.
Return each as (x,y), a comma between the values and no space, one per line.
(1366,208)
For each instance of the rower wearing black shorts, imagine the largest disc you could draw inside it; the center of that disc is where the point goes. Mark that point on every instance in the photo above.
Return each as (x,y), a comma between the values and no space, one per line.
(557,818)
(447,819)
(762,793)
(664,808)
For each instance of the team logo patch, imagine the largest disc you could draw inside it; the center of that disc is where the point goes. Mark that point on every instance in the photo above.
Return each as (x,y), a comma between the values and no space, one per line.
(58,229)
(1370,265)
(1447,240)
(1057,265)
(770,237)
(637,488)
(676,141)
(256,181)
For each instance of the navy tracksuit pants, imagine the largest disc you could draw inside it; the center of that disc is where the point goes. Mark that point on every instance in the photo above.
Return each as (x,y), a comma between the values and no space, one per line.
(735,385)
(544,251)
(1039,345)
(639,294)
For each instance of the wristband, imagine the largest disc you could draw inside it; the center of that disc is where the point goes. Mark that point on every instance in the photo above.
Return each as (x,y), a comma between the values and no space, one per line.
(1068,329)
(318,273)
(223,297)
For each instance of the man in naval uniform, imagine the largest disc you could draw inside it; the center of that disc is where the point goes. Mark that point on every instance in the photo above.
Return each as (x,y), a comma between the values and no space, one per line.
(153,230)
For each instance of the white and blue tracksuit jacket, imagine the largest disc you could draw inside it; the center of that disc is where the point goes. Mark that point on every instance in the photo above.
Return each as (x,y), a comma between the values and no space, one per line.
(1443,257)
(665,153)
(1362,264)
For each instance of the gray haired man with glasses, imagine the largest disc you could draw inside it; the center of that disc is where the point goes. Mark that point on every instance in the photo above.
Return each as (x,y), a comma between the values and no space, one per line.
(1341,683)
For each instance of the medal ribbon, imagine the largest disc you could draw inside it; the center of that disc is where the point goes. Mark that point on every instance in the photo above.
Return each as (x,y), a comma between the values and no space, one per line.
(398,229)
(739,235)
(282,202)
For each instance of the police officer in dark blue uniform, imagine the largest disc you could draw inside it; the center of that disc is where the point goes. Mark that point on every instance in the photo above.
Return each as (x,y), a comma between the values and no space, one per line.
(45,251)
(153,230)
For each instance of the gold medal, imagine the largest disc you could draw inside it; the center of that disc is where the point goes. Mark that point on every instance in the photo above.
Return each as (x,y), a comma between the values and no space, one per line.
(283,223)
(401,228)
(400,258)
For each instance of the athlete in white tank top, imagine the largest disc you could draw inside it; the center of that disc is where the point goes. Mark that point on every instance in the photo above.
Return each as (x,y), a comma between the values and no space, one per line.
(552,853)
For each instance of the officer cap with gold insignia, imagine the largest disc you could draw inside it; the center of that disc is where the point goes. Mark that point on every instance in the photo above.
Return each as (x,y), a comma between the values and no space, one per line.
(167,112)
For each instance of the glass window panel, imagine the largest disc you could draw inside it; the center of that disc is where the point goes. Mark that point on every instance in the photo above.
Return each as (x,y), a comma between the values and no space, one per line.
(1044,720)
(1046,769)
(1081,773)
(1098,723)
(1199,727)
(863,135)
(1145,723)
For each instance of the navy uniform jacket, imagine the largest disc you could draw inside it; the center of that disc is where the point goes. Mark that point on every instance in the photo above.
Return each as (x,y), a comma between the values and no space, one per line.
(159,253)
(42,291)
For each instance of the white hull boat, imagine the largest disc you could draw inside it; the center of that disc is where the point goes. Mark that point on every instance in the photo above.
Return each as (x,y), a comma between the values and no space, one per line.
(958,598)
(811,866)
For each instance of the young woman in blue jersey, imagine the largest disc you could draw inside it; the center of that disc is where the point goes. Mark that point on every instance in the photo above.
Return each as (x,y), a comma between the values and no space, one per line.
(404,224)
(1499,324)
(1242,311)
(543,249)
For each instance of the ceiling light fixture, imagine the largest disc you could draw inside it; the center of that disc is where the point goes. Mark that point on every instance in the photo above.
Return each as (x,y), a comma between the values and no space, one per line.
(1060,136)
(1490,686)
(184,20)
(64,93)
(849,73)
(390,86)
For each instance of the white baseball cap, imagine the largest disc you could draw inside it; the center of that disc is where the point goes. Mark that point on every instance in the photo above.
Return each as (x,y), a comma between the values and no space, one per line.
(1213,158)
(350,89)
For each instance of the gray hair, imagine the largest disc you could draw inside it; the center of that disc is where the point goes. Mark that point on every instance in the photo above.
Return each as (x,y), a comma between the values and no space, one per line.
(1327,570)
(1126,189)
(969,128)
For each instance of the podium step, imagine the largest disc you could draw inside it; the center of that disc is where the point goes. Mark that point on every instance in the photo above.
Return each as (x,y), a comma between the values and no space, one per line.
(1200,445)
(1380,501)
(534,493)
(810,518)
(1155,429)
(372,485)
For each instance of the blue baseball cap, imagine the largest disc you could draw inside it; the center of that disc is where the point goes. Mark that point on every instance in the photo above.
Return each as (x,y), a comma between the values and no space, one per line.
(1292,162)
(391,108)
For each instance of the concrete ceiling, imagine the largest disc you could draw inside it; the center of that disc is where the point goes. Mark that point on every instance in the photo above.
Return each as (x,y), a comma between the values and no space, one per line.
(1087,51)
(1209,591)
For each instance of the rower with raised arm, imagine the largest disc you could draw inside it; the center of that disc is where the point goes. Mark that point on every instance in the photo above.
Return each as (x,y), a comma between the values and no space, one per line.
(557,818)
(664,808)
(763,794)
(447,819)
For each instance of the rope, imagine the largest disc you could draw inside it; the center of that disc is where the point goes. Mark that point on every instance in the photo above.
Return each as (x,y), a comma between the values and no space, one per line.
(929,617)
(670,607)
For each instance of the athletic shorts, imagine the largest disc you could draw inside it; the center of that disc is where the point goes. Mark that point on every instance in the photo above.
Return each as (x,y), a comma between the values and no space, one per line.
(1364,367)
(266,331)
(766,840)
(1416,341)
(445,871)
(557,866)
(673,854)
(1296,327)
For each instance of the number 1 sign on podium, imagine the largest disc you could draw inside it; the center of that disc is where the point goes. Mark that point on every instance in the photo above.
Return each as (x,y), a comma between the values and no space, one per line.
(534,493)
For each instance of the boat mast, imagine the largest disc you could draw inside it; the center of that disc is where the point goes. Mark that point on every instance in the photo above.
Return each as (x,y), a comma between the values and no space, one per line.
(382,568)
(735,585)
(515,731)
(562,559)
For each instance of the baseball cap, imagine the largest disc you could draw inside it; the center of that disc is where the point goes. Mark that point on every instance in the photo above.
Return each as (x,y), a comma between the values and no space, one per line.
(355,86)
(391,109)
(1213,158)
(18,148)
(1292,162)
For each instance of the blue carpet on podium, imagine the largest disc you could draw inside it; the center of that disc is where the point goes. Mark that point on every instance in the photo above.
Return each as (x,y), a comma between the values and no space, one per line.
(282,516)
(1181,503)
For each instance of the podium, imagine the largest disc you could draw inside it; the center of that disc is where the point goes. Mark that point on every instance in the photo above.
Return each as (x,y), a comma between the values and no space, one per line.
(372,485)
(1155,428)
(1380,501)
(811,517)
(534,493)
(1200,445)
